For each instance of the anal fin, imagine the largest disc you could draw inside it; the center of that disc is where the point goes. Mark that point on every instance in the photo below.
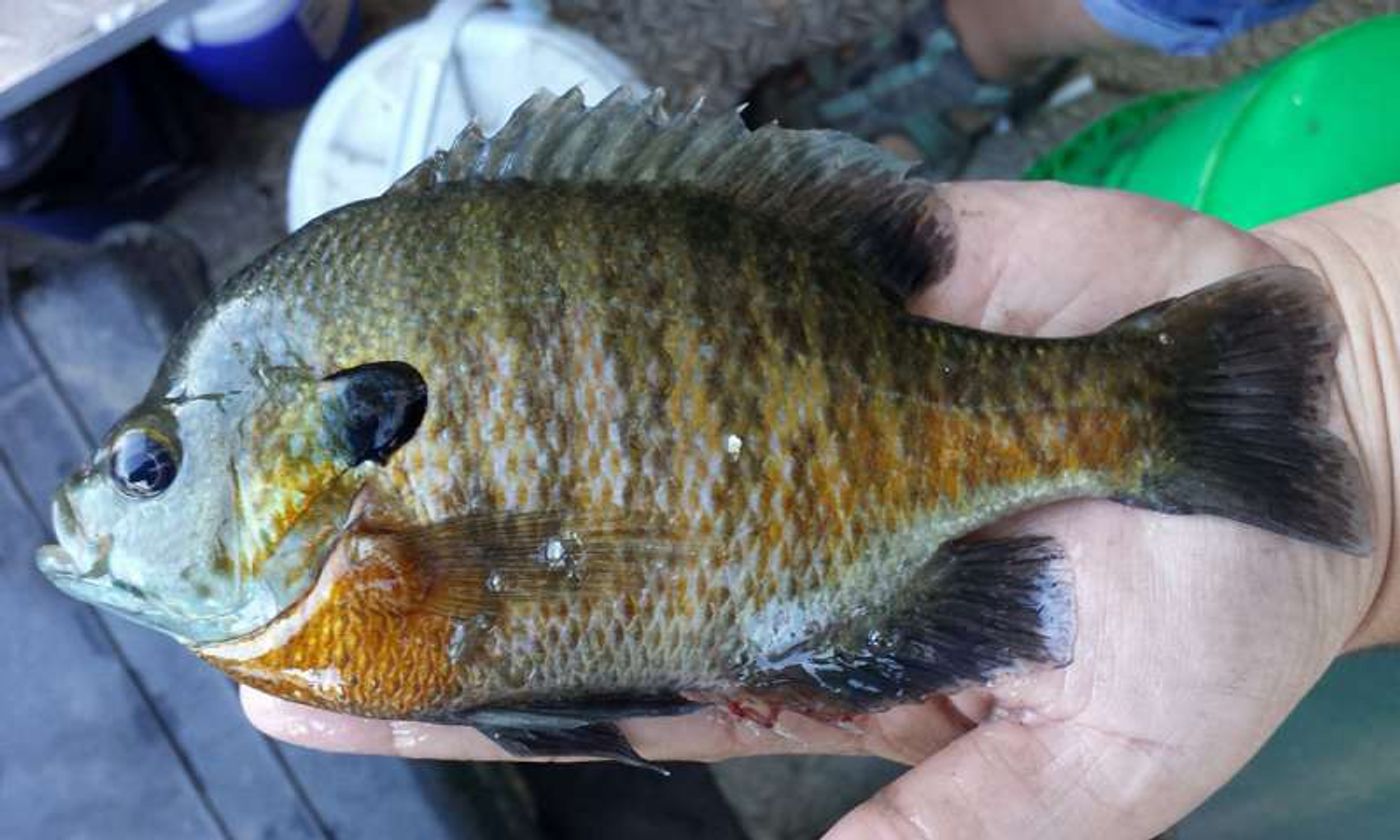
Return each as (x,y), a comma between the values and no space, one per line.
(581,726)
(979,609)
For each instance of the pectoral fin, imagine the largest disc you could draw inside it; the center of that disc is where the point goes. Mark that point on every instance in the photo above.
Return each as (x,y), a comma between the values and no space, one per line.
(476,562)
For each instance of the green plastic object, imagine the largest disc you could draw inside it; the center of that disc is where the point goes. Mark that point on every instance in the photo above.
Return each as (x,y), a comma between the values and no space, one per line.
(1316,126)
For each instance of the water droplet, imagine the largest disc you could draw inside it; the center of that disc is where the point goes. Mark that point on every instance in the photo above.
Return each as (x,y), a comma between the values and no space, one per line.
(558,553)
(495,582)
(554,551)
(734,445)
(457,644)
(406,735)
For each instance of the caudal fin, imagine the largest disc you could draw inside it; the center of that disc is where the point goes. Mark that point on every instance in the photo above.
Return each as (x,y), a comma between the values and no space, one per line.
(1249,362)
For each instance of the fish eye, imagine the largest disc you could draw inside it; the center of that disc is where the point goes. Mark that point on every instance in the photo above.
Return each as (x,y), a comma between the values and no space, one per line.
(143,463)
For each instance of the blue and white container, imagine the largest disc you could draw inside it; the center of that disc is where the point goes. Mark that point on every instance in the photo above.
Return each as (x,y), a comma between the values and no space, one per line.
(266,53)
(414,90)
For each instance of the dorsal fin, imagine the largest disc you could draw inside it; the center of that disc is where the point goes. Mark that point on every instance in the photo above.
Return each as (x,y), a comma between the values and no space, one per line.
(837,188)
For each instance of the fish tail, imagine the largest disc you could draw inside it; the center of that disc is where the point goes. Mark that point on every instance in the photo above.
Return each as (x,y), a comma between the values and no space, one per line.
(1247,367)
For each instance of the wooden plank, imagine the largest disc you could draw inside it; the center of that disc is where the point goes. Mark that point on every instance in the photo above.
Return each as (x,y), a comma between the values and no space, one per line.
(16,364)
(240,771)
(51,45)
(374,796)
(81,752)
(91,337)
(97,330)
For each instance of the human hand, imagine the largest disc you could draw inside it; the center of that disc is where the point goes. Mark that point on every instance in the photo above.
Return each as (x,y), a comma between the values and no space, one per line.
(1196,635)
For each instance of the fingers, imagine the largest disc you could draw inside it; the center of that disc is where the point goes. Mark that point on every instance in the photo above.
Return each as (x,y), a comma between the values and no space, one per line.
(903,734)
(1352,245)
(705,735)
(322,730)
(1008,780)
(1030,258)
(1195,638)
(1053,259)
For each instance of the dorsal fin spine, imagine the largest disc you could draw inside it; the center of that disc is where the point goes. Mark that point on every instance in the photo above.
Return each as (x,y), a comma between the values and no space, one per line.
(835,187)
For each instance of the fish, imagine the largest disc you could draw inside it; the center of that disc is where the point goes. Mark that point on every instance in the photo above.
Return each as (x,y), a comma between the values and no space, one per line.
(620,412)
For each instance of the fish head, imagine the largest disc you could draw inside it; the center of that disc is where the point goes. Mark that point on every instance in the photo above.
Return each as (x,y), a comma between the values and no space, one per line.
(206,517)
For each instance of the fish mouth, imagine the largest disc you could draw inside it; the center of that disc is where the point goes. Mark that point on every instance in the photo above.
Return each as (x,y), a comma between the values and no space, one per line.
(76,556)
(86,578)
(77,565)
(55,562)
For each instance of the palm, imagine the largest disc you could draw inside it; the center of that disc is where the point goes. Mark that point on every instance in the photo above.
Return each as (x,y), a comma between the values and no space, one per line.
(1196,635)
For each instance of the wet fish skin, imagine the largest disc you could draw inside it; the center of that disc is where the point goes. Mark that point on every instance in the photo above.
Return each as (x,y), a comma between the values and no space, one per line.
(616,412)
(753,405)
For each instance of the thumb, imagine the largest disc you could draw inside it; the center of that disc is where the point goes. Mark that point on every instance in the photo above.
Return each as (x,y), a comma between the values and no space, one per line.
(1048,258)
(1012,780)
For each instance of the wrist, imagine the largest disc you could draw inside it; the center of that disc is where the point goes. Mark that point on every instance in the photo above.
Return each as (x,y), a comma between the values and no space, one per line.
(1352,246)
(1004,40)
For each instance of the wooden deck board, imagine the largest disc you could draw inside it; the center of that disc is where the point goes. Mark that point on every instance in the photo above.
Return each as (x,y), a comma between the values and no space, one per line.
(111,730)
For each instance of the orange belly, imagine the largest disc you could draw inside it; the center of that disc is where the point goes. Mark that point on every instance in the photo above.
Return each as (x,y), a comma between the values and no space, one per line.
(355,643)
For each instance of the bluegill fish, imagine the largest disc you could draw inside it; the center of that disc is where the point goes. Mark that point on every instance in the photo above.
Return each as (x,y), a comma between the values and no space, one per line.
(618,413)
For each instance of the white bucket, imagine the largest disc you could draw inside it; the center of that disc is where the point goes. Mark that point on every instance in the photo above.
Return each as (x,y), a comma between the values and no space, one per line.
(414,90)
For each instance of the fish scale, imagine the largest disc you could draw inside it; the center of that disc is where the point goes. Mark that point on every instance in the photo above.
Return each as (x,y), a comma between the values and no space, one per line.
(779,396)
(616,413)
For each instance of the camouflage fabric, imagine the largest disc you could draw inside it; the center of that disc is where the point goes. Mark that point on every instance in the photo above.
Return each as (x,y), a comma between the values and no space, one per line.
(912,82)
(719,48)
(889,70)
